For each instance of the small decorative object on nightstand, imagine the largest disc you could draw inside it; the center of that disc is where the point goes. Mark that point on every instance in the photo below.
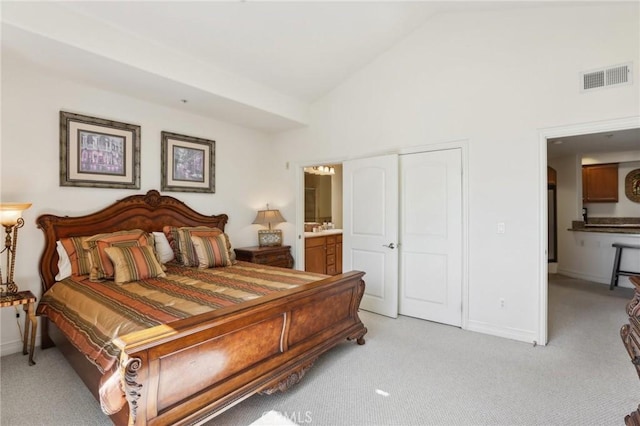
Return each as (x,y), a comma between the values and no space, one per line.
(270,237)
(28,300)
(272,256)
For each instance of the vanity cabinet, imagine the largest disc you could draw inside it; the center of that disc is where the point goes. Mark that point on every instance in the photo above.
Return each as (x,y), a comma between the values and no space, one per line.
(315,255)
(323,254)
(600,183)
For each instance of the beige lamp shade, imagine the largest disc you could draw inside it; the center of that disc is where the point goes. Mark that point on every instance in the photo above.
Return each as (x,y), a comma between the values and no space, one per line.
(11,212)
(268,217)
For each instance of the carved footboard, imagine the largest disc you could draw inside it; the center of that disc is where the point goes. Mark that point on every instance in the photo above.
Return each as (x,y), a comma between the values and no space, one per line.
(201,366)
(630,334)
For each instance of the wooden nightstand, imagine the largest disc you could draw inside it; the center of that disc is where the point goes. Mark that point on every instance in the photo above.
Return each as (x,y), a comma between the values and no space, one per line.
(27,299)
(272,256)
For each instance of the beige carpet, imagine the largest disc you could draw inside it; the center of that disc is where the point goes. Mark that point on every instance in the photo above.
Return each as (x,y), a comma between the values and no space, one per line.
(410,372)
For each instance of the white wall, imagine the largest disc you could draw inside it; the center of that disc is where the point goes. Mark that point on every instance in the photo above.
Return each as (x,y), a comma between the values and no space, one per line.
(569,202)
(31,101)
(495,79)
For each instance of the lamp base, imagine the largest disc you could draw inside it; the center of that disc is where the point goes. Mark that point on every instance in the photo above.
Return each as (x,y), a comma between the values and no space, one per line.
(8,288)
(272,237)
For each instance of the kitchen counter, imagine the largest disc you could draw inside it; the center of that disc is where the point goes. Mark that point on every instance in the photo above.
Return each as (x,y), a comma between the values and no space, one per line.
(629,226)
(615,230)
(324,233)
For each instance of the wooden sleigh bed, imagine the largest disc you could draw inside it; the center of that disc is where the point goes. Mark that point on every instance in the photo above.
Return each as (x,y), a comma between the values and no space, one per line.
(168,373)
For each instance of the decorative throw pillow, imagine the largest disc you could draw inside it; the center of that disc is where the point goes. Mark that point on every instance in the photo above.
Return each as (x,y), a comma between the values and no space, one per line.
(134,263)
(212,251)
(180,240)
(64,263)
(78,256)
(101,266)
(171,232)
(163,248)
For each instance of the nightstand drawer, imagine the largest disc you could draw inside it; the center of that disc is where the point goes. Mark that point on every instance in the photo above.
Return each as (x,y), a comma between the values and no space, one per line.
(284,263)
(272,256)
(270,259)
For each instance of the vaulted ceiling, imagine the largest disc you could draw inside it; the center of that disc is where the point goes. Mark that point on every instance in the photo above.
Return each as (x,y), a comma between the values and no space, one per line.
(258,64)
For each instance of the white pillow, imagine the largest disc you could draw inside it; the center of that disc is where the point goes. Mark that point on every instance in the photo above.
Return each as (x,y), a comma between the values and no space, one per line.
(164,250)
(64,263)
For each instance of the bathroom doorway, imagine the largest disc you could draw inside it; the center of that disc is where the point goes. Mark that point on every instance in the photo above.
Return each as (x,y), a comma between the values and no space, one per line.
(323,195)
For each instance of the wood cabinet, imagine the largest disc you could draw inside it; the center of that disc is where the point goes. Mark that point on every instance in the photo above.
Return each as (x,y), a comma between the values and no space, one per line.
(600,183)
(315,255)
(323,254)
(272,256)
(552,176)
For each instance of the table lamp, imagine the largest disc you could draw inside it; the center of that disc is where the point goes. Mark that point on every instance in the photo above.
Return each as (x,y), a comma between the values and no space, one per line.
(270,237)
(11,219)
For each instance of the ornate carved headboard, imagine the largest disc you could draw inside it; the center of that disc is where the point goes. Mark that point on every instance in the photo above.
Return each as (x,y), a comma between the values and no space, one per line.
(149,212)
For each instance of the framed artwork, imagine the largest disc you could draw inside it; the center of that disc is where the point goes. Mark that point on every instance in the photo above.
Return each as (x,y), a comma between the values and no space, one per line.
(632,185)
(98,153)
(188,163)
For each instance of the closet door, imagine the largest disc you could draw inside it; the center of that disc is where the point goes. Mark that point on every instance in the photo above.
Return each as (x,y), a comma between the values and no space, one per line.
(431,236)
(370,236)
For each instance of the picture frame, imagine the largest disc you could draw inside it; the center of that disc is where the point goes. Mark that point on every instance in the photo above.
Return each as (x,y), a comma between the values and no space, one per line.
(98,153)
(632,185)
(188,163)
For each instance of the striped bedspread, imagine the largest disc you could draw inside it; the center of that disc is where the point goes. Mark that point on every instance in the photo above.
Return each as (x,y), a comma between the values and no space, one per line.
(92,314)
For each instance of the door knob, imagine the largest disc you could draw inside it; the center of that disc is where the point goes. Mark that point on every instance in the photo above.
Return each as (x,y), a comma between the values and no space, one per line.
(390,245)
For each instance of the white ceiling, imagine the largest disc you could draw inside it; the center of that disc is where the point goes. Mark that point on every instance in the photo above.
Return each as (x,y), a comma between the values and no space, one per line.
(299,49)
(258,64)
(618,141)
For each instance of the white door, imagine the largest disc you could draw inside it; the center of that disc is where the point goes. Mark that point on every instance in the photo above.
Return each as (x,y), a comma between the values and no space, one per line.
(431,236)
(370,222)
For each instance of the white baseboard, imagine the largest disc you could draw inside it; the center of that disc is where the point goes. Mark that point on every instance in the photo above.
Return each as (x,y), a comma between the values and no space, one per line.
(15,346)
(527,336)
(623,281)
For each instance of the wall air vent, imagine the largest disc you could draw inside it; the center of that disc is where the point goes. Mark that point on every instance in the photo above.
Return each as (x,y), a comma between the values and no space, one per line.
(605,77)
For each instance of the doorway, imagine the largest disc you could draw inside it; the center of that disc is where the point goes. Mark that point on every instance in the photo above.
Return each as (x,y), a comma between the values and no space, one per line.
(545,136)
(323,195)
